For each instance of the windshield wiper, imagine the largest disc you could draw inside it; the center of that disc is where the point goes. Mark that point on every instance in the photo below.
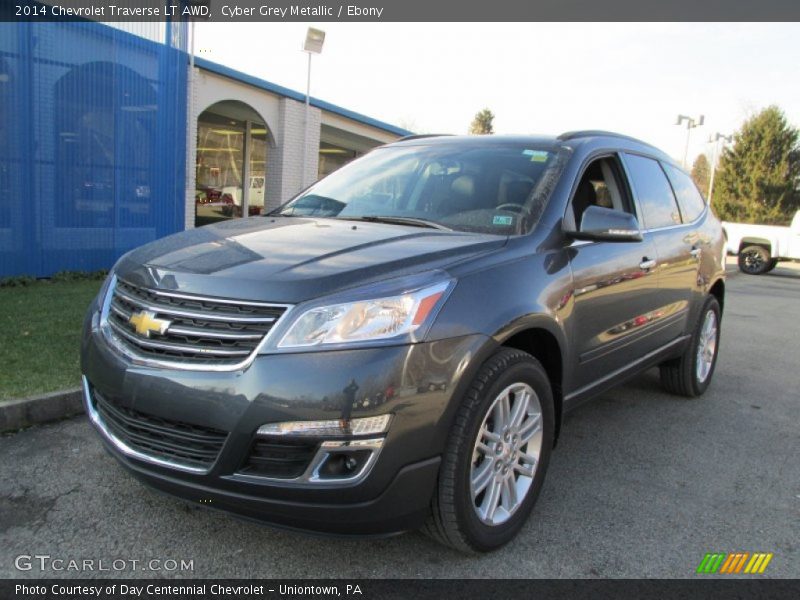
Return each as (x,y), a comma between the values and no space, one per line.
(412,221)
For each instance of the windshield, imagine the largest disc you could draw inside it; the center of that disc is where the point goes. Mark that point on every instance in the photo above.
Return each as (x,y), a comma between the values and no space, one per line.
(500,189)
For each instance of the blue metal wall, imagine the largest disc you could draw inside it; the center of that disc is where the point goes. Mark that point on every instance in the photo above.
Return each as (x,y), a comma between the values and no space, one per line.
(92,143)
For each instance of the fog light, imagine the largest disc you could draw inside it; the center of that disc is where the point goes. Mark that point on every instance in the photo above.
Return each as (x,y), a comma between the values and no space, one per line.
(341,465)
(344,460)
(341,427)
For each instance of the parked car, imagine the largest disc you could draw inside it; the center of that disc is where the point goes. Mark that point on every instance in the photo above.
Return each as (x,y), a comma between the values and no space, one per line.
(255,197)
(204,194)
(212,197)
(761,247)
(404,356)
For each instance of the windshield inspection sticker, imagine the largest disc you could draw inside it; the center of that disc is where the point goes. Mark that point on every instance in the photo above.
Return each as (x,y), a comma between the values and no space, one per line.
(502,220)
(536,155)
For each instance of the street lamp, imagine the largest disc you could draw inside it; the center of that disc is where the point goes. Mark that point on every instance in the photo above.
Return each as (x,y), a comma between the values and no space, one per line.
(726,139)
(315,39)
(690,124)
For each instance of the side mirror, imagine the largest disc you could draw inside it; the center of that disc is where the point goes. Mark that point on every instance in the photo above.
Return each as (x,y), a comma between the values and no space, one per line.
(608,225)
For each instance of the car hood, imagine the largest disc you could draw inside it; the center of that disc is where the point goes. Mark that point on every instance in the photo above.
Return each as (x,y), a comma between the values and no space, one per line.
(290,260)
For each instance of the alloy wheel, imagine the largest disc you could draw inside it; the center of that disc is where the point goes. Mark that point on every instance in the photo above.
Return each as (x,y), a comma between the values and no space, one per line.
(753,261)
(506,454)
(707,346)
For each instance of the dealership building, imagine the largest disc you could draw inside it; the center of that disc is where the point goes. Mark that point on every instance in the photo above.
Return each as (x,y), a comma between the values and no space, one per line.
(111,137)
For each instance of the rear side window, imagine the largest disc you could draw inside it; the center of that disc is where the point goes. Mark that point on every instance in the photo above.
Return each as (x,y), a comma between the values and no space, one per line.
(689,198)
(654,192)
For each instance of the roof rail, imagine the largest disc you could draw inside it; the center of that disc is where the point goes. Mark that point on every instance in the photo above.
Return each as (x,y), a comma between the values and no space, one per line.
(418,136)
(571,135)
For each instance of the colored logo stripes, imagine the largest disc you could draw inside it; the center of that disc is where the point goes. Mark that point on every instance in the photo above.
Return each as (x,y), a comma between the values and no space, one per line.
(734,563)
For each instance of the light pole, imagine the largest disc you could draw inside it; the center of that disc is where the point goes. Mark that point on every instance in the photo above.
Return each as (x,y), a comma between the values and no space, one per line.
(727,139)
(315,38)
(690,124)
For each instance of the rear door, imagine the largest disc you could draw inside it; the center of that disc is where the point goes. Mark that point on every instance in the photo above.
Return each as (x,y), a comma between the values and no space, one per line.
(677,244)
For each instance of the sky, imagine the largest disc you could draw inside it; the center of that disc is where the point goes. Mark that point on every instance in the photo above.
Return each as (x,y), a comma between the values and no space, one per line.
(537,78)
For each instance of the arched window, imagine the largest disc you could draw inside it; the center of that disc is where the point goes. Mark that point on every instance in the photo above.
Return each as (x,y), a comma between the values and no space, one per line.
(231,176)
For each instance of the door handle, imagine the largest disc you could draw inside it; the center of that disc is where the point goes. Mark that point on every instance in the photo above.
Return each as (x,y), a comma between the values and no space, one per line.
(647,264)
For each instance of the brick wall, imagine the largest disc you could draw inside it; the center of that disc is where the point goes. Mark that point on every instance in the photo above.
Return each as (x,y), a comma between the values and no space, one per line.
(285,172)
(191,147)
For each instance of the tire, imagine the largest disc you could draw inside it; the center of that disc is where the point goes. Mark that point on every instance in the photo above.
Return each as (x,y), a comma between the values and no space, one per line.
(772,264)
(684,376)
(455,518)
(754,260)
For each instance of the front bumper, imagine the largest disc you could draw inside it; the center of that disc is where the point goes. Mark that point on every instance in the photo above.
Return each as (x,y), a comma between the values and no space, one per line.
(415,383)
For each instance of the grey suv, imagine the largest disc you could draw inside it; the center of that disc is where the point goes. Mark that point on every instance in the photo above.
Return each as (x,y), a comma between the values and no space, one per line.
(396,346)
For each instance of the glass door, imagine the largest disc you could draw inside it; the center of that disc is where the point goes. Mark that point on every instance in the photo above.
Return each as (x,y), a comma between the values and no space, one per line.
(220,162)
(257,149)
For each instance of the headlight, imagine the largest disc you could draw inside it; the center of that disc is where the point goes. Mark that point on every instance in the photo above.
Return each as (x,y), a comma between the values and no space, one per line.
(367,320)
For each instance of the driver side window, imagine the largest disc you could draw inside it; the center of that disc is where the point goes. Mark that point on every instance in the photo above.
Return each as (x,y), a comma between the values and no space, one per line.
(601,185)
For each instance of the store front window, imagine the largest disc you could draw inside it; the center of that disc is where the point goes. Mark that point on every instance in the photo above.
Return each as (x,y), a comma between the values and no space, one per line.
(231,163)
(333,157)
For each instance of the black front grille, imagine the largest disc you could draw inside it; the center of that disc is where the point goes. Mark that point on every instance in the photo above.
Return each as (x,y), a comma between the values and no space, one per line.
(195,329)
(175,441)
(280,459)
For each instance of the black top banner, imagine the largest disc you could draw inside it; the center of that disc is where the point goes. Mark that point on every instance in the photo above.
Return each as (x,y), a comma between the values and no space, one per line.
(405,10)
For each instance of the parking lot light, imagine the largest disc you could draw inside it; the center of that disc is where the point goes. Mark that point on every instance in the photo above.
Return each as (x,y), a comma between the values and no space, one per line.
(691,123)
(315,39)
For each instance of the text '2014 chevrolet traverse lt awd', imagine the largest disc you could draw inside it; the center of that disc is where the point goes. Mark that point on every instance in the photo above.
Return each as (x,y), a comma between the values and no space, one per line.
(396,346)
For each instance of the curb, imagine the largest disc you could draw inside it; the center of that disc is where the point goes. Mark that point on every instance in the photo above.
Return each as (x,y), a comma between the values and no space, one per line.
(24,412)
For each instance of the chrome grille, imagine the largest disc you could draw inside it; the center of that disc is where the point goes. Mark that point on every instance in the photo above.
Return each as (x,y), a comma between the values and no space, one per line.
(198,330)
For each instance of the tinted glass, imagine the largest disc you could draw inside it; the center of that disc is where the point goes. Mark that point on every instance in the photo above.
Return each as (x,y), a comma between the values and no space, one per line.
(482,188)
(689,198)
(653,191)
(600,186)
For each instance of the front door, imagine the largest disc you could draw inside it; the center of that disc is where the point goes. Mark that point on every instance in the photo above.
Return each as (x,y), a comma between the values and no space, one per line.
(615,285)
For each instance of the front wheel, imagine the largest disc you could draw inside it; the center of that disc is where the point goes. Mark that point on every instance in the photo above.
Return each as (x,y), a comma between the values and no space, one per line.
(690,374)
(754,260)
(496,457)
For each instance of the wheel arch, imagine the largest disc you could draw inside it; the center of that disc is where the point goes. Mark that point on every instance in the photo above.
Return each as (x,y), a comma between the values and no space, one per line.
(756,241)
(718,291)
(547,345)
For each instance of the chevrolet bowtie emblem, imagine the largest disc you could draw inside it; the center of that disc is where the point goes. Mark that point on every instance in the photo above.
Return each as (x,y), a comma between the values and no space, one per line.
(146,323)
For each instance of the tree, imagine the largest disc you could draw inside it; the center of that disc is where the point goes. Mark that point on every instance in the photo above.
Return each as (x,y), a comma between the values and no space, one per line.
(758,178)
(701,171)
(482,123)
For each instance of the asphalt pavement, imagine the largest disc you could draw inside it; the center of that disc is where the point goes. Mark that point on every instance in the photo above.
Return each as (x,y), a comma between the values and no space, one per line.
(642,484)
